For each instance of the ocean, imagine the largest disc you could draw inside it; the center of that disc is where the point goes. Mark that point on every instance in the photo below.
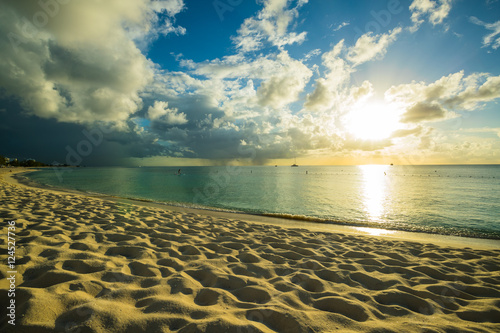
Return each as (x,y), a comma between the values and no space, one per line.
(461,200)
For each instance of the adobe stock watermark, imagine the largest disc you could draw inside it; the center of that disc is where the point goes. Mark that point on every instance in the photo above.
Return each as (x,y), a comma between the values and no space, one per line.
(30,29)
(381,18)
(75,155)
(223,6)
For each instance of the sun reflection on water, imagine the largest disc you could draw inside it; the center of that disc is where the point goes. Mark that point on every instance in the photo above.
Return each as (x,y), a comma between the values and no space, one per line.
(374,189)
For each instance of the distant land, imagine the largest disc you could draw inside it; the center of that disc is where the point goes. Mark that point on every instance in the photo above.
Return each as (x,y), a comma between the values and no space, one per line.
(14,162)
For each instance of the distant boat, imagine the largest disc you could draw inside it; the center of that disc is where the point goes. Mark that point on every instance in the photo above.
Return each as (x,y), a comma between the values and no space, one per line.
(392,163)
(294,165)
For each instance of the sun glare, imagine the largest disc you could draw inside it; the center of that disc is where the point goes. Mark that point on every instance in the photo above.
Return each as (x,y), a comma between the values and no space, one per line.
(373,121)
(375,190)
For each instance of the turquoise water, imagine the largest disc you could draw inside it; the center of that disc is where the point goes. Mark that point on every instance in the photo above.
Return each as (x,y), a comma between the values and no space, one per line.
(454,200)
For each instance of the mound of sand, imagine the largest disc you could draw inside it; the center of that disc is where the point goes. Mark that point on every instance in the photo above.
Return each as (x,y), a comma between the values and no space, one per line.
(91,265)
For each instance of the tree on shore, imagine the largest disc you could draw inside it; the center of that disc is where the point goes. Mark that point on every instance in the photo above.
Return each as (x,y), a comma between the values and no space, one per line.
(24,163)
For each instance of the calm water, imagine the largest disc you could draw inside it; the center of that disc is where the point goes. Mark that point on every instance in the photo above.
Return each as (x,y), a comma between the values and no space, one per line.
(457,200)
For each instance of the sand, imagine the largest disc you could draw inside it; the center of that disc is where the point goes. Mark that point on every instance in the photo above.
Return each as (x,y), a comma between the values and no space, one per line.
(87,264)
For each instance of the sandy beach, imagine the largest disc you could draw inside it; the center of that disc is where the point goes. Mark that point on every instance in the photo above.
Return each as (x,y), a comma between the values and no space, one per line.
(87,264)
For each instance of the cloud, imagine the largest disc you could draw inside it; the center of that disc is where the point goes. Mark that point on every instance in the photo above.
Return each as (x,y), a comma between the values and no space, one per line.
(281,77)
(364,91)
(222,101)
(284,88)
(240,66)
(327,87)
(53,139)
(161,112)
(472,95)
(321,97)
(428,139)
(341,25)
(223,106)
(338,70)
(435,10)
(443,88)
(491,39)
(369,47)
(89,64)
(340,62)
(495,131)
(423,111)
(79,62)
(406,132)
(311,54)
(171,7)
(436,101)
(270,25)
(352,144)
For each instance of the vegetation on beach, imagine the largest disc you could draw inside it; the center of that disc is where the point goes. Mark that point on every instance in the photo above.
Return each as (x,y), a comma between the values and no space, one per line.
(6,162)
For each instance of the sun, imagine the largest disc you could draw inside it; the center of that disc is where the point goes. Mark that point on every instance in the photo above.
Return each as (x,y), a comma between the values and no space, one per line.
(373,121)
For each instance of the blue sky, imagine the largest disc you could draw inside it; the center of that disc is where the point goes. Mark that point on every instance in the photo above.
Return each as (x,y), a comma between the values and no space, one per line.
(189,82)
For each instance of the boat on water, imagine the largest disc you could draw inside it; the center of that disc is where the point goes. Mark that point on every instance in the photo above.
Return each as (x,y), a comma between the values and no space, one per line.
(294,165)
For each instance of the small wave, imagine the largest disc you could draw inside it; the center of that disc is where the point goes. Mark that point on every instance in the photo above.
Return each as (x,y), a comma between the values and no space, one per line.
(302,218)
(387,226)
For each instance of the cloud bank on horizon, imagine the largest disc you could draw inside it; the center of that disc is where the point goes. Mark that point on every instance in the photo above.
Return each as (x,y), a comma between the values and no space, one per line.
(332,83)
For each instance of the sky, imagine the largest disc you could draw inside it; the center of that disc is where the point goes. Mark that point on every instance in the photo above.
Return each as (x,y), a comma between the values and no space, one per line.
(246,82)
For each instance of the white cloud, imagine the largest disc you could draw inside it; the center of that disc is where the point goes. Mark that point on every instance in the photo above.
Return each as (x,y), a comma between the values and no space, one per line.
(341,25)
(329,89)
(326,88)
(279,91)
(239,66)
(270,25)
(436,101)
(492,39)
(369,47)
(311,54)
(171,7)
(284,87)
(435,10)
(160,112)
(330,57)
(472,95)
(283,78)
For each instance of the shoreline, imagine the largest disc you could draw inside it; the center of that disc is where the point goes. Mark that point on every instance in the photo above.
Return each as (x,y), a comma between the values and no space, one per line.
(417,236)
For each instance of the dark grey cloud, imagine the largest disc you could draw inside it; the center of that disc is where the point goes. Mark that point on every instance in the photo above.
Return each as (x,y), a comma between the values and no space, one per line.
(24,136)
